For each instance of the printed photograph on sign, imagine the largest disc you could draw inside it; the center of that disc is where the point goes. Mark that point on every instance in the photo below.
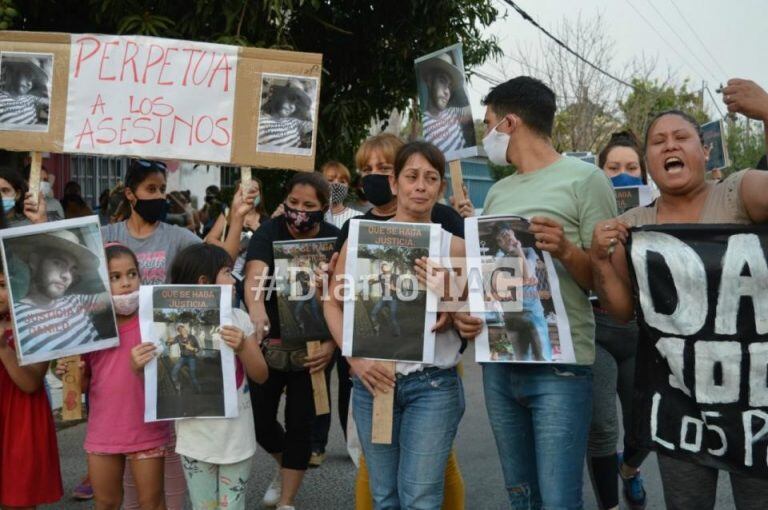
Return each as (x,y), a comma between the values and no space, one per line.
(58,289)
(520,298)
(628,197)
(25,91)
(390,315)
(713,135)
(194,374)
(446,115)
(287,114)
(298,302)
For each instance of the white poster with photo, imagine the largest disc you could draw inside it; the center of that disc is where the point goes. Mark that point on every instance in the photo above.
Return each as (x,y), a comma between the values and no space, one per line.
(143,96)
(388,313)
(25,90)
(286,114)
(193,375)
(517,291)
(446,114)
(58,289)
(628,197)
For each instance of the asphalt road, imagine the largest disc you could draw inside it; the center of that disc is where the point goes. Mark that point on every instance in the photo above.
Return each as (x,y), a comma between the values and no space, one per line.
(332,485)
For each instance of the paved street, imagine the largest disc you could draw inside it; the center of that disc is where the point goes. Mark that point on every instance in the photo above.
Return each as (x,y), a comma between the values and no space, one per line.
(331,486)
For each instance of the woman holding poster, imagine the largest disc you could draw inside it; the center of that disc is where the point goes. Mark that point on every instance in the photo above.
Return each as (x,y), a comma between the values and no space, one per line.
(676,158)
(429,399)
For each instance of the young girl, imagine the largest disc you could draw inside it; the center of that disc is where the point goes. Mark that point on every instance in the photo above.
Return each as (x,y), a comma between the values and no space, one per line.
(116,431)
(29,454)
(216,453)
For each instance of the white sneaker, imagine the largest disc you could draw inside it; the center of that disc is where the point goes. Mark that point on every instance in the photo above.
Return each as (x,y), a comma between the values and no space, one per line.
(274,491)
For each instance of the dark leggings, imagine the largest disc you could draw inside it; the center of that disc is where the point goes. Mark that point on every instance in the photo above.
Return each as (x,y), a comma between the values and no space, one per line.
(294,441)
(614,372)
(322,423)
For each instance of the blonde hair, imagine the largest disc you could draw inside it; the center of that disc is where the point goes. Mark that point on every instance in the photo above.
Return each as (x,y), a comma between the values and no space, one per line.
(341,169)
(386,143)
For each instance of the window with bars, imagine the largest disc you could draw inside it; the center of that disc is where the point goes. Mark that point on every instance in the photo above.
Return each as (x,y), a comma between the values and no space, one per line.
(94,174)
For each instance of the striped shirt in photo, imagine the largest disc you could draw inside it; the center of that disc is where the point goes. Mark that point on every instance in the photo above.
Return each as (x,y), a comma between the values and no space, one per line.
(18,110)
(66,323)
(445,130)
(282,131)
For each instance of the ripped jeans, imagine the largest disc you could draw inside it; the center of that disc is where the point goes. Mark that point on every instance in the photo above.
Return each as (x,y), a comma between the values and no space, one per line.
(540,416)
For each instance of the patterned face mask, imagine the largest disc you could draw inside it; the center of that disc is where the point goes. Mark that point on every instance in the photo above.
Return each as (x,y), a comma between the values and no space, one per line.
(303,221)
(339,192)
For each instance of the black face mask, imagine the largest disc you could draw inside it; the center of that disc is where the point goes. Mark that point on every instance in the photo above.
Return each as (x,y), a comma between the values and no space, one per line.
(377,190)
(153,210)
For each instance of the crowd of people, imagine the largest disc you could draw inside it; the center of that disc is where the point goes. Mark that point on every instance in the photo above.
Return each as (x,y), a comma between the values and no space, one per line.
(547,419)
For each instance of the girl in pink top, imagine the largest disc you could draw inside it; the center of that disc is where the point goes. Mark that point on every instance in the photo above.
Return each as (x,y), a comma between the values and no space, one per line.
(116,430)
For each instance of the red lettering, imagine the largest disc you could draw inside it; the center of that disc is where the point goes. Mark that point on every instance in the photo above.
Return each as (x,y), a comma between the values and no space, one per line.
(226,68)
(191,52)
(86,131)
(80,58)
(99,103)
(162,68)
(197,129)
(160,131)
(152,63)
(224,130)
(161,109)
(101,127)
(147,128)
(176,119)
(104,58)
(123,129)
(131,60)
(199,61)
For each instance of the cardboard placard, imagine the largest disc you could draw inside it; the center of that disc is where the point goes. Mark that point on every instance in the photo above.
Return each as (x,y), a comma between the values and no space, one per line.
(72,390)
(141,96)
(34,175)
(383,405)
(319,388)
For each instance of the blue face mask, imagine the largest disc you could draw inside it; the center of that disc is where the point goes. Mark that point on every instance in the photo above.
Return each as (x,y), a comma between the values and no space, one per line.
(623,179)
(8,204)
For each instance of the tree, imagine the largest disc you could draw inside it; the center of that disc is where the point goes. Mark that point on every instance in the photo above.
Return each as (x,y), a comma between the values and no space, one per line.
(368,47)
(746,144)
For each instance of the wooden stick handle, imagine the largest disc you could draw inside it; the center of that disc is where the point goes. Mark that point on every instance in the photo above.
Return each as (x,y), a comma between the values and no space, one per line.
(319,388)
(457,181)
(72,391)
(34,174)
(383,405)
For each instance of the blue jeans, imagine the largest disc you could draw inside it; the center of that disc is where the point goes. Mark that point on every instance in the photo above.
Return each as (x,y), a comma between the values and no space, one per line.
(410,472)
(540,417)
(390,303)
(191,363)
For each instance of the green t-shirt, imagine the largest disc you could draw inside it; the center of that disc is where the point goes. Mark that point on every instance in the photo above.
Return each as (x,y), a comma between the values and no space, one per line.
(577,195)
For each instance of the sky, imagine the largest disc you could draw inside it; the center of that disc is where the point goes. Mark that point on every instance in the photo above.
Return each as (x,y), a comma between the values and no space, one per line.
(735,32)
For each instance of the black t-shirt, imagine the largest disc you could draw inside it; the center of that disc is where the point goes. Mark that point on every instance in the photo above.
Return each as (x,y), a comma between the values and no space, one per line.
(260,248)
(446,216)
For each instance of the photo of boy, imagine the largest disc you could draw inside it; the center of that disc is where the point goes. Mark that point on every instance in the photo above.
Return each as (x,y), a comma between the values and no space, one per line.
(25,86)
(286,119)
(189,347)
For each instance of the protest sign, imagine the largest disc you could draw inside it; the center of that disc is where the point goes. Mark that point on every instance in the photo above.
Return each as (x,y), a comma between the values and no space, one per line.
(194,374)
(700,387)
(141,96)
(515,286)
(388,314)
(59,290)
(446,114)
(628,197)
(714,139)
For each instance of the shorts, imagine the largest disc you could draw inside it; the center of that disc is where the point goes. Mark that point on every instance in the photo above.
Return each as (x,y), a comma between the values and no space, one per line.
(152,453)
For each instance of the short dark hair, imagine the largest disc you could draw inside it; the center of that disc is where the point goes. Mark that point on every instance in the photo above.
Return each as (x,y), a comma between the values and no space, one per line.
(430,152)
(114,250)
(200,259)
(528,98)
(314,179)
(683,115)
(15,179)
(623,139)
(140,169)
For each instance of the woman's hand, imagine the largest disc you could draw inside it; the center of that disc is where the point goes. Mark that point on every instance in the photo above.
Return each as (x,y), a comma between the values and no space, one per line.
(437,278)
(320,359)
(467,325)
(372,374)
(606,236)
(141,355)
(36,212)
(62,366)
(550,237)
(444,321)
(261,326)
(242,201)
(234,337)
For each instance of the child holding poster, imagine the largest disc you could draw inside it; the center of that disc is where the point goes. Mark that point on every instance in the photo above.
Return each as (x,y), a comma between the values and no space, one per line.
(116,430)
(216,452)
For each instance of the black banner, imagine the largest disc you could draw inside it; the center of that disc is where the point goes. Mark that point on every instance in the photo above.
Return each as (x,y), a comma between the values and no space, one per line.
(701,383)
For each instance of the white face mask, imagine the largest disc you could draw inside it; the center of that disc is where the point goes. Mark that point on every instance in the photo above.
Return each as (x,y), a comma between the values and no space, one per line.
(46,189)
(495,145)
(126,304)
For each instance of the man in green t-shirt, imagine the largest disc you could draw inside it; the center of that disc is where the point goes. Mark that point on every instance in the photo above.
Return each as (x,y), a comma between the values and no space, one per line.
(540,414)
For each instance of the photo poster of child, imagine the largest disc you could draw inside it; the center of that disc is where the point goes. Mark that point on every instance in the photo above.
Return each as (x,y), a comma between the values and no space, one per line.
(193,375)
(58,289)
(25,90)
(287,114)
(714,139)
(520,294)
(388,314)
(446,114)
(299,303)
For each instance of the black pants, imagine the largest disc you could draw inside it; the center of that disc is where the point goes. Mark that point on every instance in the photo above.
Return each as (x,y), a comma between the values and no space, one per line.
(322,423)
(294,440)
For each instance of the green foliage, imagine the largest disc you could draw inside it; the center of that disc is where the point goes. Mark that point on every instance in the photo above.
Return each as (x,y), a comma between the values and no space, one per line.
(745,147)
(8,12)
(651,97)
